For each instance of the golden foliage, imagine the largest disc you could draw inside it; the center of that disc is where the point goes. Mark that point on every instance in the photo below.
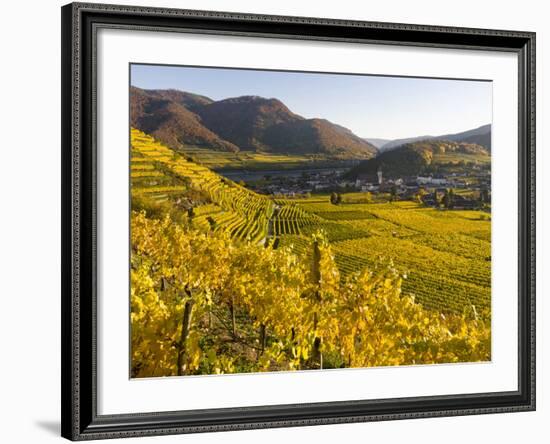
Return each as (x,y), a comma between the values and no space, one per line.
(202,303)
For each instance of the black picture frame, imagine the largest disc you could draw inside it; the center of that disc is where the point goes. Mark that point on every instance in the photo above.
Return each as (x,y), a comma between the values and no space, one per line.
(80,420)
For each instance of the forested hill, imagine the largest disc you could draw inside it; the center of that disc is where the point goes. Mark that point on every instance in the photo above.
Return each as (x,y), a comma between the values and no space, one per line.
(415,158)
(249,123)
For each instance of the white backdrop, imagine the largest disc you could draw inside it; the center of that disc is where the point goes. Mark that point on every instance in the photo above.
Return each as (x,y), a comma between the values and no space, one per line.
(118,394)
(30,232)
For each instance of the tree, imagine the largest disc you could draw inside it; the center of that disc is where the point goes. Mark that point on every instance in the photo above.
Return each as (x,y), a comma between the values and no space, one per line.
(419,196)
(335,198)
(393,193)
(484,196)
(448,198)
(451,198)
(190,215)
(436,198)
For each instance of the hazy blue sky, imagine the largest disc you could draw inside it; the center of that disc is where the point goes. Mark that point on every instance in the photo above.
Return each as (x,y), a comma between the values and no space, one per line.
(371,106)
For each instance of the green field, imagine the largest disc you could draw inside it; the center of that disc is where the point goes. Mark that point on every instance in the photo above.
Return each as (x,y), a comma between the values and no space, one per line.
(444,254)
(253,161)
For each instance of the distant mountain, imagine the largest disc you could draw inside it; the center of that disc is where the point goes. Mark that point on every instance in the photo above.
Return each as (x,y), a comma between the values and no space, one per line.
(398,142)
(376,142)
(480,136)
(415,157)
(252,123)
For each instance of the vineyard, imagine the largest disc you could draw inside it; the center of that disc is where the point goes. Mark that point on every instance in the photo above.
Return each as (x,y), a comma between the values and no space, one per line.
(293,276)
(249,160)
(160,174)
(265,309)
(445,255)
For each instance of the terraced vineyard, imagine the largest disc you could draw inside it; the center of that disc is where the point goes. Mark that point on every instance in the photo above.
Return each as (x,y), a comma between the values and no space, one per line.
(160,174)
(289,218)
(445,255)
(148,179)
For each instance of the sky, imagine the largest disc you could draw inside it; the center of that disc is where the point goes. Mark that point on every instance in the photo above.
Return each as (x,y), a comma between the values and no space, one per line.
(371,106)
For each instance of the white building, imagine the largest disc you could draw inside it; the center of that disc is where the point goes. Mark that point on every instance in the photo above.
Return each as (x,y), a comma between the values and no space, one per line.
(425,180)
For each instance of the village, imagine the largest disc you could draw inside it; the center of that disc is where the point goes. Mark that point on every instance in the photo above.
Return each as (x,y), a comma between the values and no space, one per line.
(470,189)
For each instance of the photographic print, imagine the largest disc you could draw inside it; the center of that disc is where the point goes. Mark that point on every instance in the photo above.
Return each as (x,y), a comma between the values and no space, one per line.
(293,221)
(273,221)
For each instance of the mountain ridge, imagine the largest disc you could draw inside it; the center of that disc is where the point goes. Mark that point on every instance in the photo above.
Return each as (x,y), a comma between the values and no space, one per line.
(480,135)
(164,116)
(248,123)
(376,141)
